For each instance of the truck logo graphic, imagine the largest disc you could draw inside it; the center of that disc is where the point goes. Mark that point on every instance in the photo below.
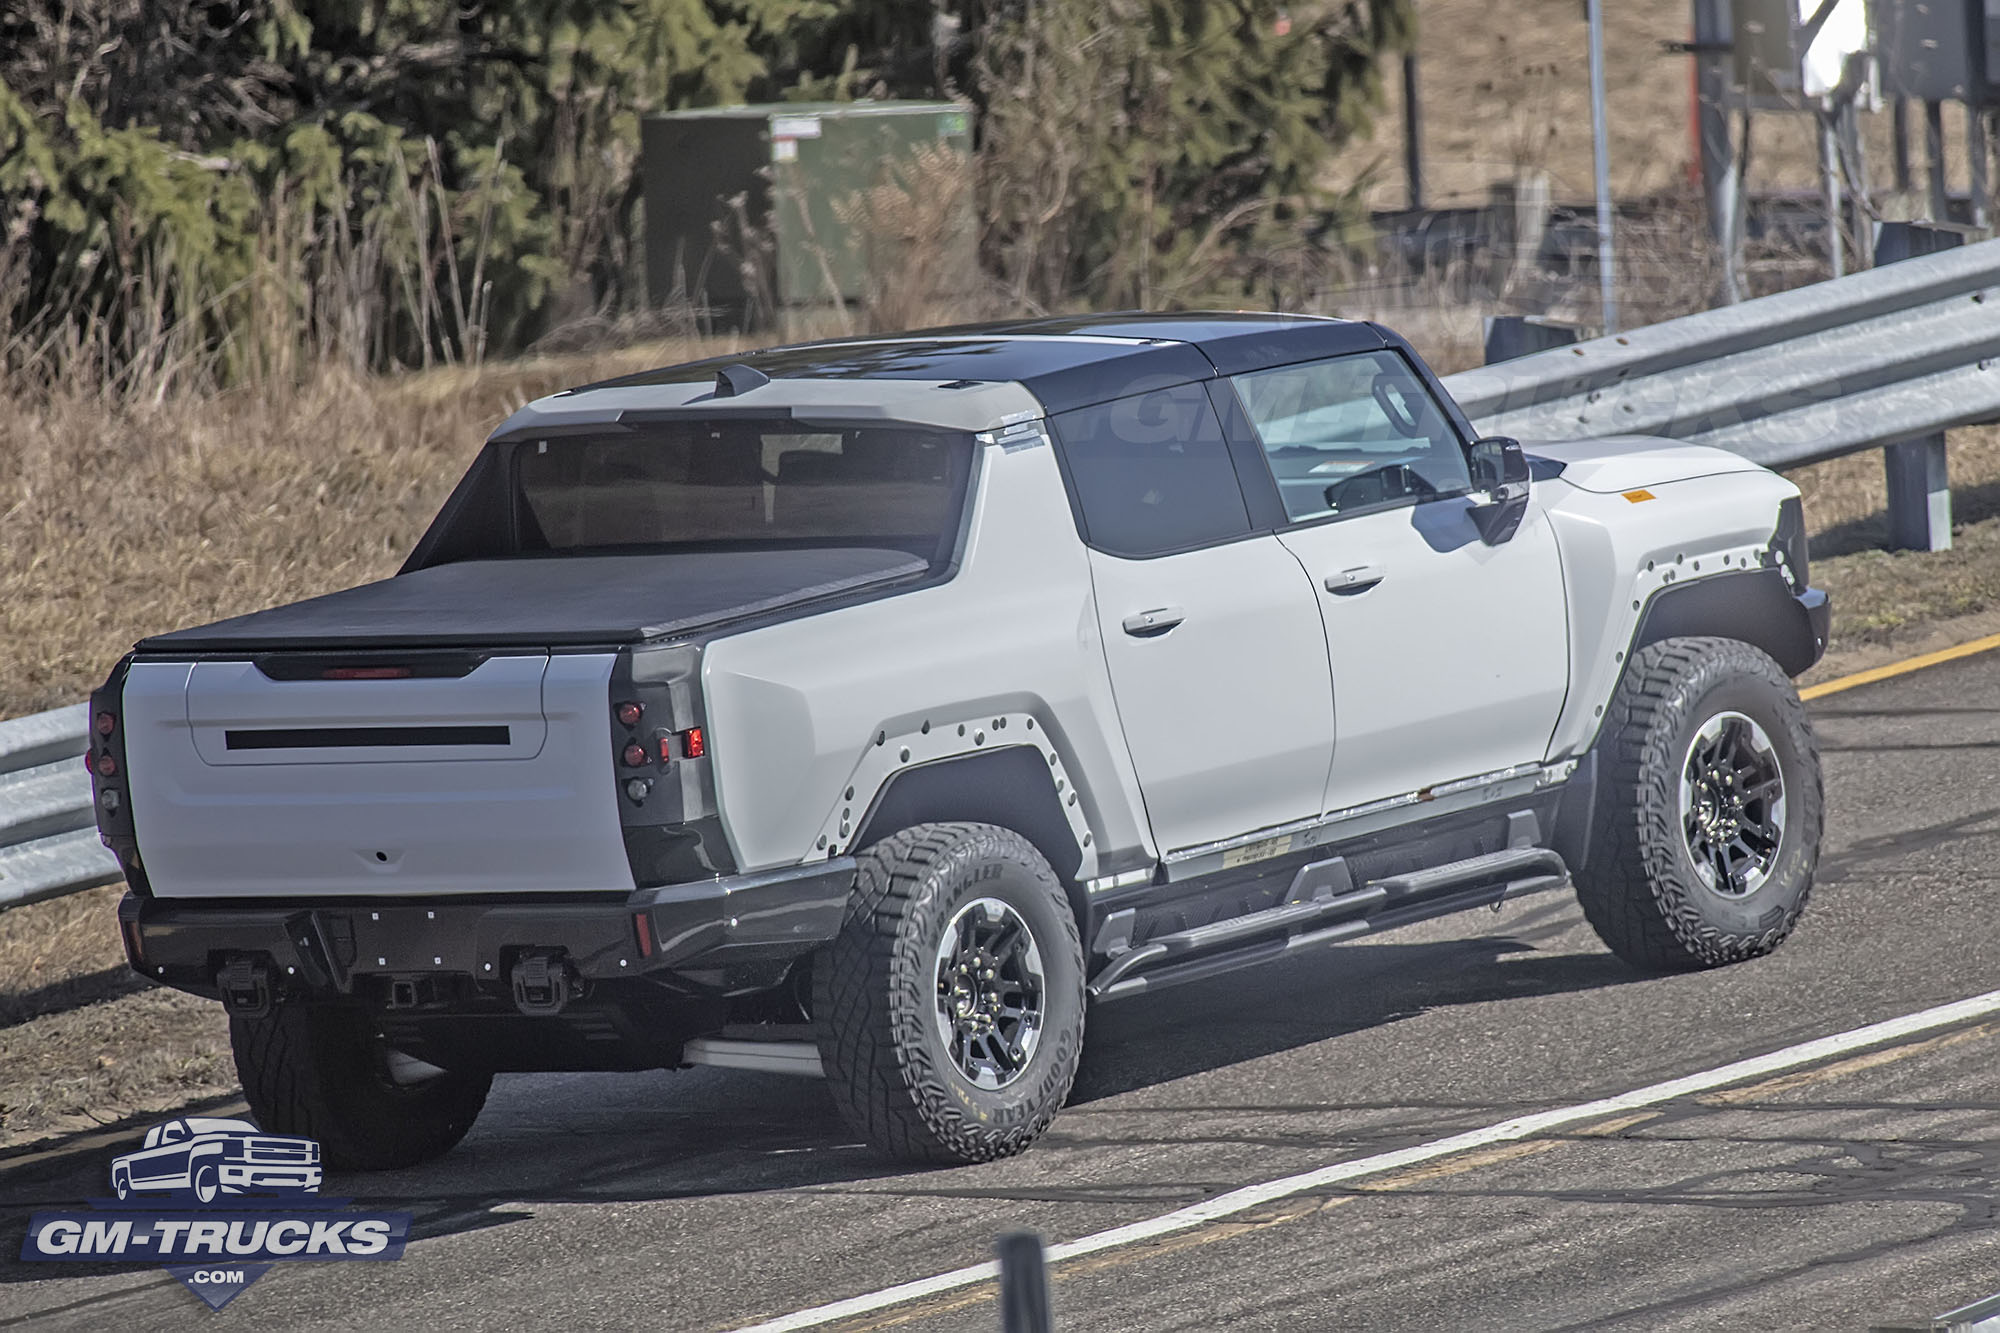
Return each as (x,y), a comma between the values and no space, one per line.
(185,1203)
(212,1157)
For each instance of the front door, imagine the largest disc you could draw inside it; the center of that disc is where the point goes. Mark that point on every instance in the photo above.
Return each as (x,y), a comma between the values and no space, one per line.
(1450,658)
(1211,632)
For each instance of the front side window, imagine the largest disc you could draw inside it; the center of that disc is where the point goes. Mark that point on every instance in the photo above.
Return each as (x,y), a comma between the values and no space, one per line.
(708,484)
(1352,432)
(1151,473)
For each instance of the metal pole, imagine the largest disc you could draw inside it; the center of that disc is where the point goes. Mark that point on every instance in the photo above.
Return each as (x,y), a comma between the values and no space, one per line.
(1607,273)
(1024,1284)
(1829,179)
(1975,154)
(1718,155)
(1854,169)
(1899,115)
(1413,132)
(1934,161)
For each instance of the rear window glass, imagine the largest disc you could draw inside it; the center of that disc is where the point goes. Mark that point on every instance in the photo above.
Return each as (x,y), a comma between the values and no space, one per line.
(1151,473)
(733,484)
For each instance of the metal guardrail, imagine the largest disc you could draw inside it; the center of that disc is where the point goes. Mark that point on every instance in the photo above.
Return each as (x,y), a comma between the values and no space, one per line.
(1887,355)
(48,834)
(1887,358)
(1890,357)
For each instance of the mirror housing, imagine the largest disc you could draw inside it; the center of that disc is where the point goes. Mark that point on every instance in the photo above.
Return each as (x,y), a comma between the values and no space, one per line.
(1500,485)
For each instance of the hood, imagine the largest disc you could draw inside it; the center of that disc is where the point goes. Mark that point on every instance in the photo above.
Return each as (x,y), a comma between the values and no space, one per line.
(1620,463)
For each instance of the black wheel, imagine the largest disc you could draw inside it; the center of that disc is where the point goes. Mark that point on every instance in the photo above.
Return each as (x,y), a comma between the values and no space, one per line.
(207,1182)
(1708,808)
(321,1071)
(949,1011)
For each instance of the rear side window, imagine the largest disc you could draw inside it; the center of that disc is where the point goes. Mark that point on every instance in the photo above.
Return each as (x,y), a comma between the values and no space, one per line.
(1151,474)
(734,484)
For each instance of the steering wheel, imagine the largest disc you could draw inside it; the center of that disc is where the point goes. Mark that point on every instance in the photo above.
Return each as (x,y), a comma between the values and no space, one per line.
(1395,480)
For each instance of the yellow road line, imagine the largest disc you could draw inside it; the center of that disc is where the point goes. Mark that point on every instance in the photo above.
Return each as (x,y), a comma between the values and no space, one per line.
(1904,667)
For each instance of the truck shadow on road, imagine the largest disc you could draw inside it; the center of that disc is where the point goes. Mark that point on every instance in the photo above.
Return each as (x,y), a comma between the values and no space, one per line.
(712,1134)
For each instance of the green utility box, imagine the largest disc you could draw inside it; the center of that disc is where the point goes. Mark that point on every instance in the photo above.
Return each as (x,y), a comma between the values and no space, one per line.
(756,211)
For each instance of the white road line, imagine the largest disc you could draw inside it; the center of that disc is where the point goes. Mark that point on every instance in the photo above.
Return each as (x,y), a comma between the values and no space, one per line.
(1506,1131)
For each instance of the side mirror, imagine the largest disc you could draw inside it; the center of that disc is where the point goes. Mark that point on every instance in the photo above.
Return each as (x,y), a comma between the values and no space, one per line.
(1500,485)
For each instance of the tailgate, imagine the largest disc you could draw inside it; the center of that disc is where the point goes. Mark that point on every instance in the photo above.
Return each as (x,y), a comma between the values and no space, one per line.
(500,780)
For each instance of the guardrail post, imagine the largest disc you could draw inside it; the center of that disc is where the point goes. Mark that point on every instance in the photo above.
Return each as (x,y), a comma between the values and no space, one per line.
(1024,1284)
(1919,495)
(1919,480)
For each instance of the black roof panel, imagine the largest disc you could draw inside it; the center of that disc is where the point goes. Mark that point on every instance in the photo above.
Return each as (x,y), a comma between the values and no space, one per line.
(1056,358)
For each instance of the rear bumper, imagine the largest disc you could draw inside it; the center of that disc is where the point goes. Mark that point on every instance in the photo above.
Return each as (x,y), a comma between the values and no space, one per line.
(714,935)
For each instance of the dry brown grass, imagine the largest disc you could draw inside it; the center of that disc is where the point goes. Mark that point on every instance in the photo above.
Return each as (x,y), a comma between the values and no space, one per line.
(123,520)
(144,1053)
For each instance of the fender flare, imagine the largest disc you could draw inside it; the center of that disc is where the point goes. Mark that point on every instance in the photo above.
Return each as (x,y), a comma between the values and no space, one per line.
(1756,606)
(1010,786)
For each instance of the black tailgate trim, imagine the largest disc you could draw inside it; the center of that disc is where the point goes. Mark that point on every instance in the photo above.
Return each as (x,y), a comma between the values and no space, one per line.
(330,738)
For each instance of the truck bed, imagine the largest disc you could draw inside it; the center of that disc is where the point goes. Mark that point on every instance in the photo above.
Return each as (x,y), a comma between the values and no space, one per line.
(551,600)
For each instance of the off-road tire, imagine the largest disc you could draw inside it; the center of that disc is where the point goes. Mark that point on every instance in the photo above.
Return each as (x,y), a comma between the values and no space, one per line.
(875,997)
(1639,888)
(319,1071)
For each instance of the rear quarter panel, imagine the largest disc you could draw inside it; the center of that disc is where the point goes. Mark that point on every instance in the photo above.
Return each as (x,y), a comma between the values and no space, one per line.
(809,718)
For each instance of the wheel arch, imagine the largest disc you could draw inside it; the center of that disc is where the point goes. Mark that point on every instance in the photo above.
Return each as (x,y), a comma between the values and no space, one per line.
(1011,787)
(1754,606)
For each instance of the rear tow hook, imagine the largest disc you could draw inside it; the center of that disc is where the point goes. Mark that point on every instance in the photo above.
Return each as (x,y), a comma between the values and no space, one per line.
(245,984)
(543,983)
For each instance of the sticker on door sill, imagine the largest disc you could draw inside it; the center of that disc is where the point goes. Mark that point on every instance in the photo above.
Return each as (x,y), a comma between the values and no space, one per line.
(1256,851)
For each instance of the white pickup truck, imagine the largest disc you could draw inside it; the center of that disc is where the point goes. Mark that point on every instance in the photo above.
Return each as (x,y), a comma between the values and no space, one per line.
(871,708)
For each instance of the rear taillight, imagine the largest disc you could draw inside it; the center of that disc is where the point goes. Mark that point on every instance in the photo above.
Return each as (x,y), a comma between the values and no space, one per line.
(135,944)
(106,724)
(367,673)
(635,756)
(629,713)
(106,765)
(642,925)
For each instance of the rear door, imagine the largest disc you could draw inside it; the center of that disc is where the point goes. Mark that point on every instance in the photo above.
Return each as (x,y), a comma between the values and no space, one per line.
(1217,657)
(1450,657)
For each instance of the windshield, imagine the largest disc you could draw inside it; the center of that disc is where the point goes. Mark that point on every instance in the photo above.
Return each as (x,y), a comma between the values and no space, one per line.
(728,485)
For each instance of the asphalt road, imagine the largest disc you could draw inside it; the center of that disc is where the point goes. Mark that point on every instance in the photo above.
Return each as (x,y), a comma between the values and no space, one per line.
(1837,1196)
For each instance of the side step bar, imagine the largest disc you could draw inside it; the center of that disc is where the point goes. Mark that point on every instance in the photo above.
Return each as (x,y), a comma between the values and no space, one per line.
(766,1057)
(1292,926)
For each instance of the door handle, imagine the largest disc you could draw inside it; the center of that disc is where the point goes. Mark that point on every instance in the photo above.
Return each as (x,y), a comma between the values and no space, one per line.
(1359,578)
(1147,624)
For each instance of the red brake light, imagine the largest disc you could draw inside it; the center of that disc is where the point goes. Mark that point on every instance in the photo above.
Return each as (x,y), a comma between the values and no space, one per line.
(106,724)
(692,744)
(366,673)
(135,946)
(630,713)
(635,756)
(106,765)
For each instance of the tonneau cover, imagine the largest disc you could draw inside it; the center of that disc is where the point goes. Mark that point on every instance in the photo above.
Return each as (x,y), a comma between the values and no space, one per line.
(551,600)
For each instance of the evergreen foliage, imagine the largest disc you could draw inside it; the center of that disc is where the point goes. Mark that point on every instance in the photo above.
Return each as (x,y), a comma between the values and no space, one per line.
(399,180)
